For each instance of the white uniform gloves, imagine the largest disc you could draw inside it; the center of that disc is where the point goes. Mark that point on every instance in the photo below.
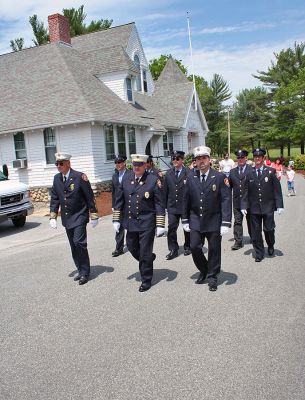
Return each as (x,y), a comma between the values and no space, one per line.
(116,226)
(53,223)
(160,231)
(244,212)
(280,211)
(224,230)
(186,227)
(94,222)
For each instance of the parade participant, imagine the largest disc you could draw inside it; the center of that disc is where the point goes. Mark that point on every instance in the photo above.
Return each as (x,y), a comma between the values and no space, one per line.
(226,164)
(207,214)
(71,191)
(174,186)
(140,197)
(237,179)
(120,172)
(151,169)
(263,196)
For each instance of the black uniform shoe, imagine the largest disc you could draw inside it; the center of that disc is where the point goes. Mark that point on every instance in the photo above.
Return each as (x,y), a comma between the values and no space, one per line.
(144,287)
(187,252)
(236,246)
(212,288)
(172,254)
(257,259)
(117,253)
(153,256)
(270,250)
(83,280)
(200,279)
(77,277)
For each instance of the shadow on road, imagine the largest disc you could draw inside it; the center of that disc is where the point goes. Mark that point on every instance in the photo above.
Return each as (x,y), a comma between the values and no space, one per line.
(95,271)
(8,229)
(229,278)
(159,275)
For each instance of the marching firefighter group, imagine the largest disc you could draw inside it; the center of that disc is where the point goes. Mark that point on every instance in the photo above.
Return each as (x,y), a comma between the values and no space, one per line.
(199,197)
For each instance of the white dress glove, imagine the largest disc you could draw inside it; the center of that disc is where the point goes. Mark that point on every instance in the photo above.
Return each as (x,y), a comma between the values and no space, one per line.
(53,223)
(280,211)
(160,231)
(116,226)
(186,227)
(94,222)
(244,212)
(224,230)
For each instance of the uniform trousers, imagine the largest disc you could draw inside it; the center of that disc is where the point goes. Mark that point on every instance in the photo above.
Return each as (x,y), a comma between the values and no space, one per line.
(173,223)
(238,225)
(257,221)
(119,238)
(140,244)
(210,268)
(78,242)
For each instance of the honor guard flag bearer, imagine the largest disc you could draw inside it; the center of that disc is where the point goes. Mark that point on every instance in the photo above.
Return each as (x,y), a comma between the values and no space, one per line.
(140,198)
(72,193)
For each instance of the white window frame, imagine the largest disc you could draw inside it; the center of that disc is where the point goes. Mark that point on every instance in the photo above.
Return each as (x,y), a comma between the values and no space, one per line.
(138,80)
(129,90)
(111,155)
(49,146)
(168,143)
(23,149)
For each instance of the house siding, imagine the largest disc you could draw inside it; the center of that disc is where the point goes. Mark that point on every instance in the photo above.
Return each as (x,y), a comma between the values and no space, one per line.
(116,83)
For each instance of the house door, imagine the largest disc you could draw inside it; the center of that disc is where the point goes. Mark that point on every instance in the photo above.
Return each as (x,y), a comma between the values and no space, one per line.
(148,149)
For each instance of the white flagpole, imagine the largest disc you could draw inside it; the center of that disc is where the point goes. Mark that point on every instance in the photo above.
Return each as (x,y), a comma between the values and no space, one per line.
(190,40)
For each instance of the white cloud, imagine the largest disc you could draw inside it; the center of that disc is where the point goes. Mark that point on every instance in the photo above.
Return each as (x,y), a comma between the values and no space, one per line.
(244,27)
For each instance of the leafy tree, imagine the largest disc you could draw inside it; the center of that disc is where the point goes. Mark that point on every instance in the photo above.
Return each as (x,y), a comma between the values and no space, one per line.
(220,89)
(157,64)
(40,32)
(17,44)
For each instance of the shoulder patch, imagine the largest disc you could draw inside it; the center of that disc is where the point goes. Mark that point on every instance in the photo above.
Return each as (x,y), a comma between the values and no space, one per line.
(85,177)
(226,182)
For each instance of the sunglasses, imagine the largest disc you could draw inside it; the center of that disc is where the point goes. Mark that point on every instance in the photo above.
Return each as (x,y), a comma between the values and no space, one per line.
(119,162)
(59,163)
(239,157)
(176,158)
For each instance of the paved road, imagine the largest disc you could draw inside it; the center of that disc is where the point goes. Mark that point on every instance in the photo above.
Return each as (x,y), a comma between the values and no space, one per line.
(105,340)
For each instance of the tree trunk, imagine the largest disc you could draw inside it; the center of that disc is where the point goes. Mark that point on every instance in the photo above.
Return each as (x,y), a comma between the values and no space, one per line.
(302,146)
(288,148)
(282,149)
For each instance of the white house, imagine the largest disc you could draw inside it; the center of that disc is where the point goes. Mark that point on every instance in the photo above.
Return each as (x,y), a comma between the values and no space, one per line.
(94,97)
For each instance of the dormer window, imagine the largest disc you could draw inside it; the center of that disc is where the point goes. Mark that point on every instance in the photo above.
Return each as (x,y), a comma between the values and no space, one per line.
(129,90)
(136,61)
(144,81)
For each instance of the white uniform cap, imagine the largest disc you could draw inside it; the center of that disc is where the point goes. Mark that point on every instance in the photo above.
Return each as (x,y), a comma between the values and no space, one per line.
(139,158)
(62,156)
(201,151)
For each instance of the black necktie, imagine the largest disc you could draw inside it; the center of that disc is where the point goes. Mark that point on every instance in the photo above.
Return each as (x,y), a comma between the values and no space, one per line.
(65,178)
(240,170)
(137,180)
(203,179)
(259,173)
(177,173)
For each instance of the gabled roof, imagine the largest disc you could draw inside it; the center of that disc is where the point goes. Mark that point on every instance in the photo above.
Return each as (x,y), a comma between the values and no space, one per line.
(109,60)
(116,36)
(171,98)
(52,85)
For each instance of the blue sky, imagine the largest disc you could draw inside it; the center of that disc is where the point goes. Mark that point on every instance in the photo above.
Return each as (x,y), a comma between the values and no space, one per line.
(232,38)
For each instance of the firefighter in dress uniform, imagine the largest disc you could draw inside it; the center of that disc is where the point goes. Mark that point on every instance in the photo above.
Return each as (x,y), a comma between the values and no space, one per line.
(140,199)
(207,214)
(237,179)
(72,192)
(120,173)
(263,196)
(174,187)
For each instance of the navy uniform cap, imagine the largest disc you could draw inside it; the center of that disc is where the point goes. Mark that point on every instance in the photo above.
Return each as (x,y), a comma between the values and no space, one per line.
(241,153)
(259,152)
(120,158)
(178,153)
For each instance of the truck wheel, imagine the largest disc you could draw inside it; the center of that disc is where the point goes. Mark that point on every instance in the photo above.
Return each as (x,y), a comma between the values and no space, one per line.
(19,222)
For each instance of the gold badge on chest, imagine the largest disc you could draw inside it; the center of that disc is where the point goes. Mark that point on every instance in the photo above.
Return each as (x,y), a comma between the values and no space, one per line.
(72,186)
(146,195)
(214,188)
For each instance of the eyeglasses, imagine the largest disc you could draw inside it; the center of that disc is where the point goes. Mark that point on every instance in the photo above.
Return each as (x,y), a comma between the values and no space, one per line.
(59,163)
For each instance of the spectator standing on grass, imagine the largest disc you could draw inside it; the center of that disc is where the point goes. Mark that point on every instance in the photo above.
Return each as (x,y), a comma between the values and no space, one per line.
(278,166)
(290,174)
(226,164)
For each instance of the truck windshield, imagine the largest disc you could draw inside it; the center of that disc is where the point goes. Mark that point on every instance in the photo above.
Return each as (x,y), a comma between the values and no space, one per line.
(2,177)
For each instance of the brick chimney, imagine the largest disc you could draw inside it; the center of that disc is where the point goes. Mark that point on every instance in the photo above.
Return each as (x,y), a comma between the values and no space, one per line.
(59,29)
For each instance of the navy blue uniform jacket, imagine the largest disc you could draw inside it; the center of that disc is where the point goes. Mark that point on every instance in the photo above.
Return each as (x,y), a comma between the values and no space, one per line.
(141,203)
(116,184)
(238,184)
(263,195)
(208,207)
(174,190)
(75,198)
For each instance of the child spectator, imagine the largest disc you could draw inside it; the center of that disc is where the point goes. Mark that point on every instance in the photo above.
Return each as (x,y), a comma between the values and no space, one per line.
(278,166)
(290,180)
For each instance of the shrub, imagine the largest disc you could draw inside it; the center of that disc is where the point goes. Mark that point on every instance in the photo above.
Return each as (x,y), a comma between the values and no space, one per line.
(299,162)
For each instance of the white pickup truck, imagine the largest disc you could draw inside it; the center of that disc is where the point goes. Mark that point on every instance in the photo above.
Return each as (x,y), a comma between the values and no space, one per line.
(15,201)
